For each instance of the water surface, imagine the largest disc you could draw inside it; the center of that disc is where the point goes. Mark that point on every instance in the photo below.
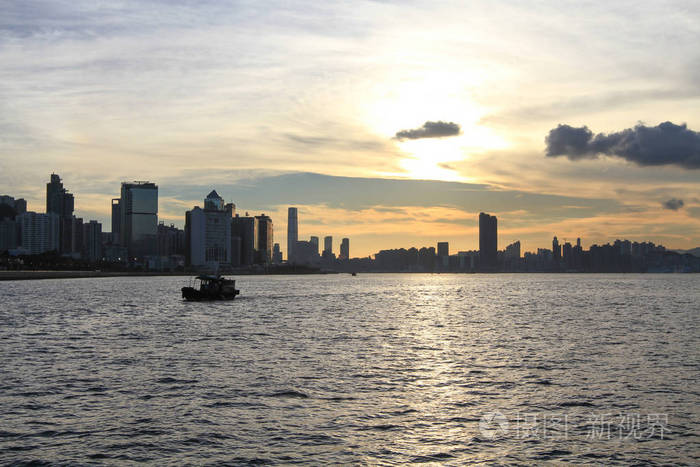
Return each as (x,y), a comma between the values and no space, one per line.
(377,369)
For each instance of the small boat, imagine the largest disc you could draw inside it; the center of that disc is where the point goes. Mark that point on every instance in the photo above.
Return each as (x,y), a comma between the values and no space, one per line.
(354,273)
(210,288)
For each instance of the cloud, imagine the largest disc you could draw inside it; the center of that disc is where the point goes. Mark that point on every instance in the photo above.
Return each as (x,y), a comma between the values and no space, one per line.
(664,144)
(673,204)
(437,129)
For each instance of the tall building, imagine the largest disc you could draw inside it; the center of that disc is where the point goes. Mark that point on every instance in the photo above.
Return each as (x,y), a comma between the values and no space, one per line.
(328,244)
(208,233)
(116,221)
(71,231)
(512,251)
(244,239)
(138,207)
(292,233)
(344,249)
(171,240)
(19,205)
(60,202)
(276,254)
(39,232)
(443,252)
(92,241)
(265,238)
(314,241)
(488,241)
(556,250)
(9,229)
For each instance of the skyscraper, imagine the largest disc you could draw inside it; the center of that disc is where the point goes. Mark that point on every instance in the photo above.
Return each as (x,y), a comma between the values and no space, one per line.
(244,238)
(116,221)
(328,244)
(208,233)
(488,241)
(292,233)
(265,239)
(443,252)
(314,241)
(276,254)
(60,202)
(345,249)
(92,241)
(556,249)
(139,218)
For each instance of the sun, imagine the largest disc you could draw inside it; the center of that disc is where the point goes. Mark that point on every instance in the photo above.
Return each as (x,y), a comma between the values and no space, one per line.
(409,103)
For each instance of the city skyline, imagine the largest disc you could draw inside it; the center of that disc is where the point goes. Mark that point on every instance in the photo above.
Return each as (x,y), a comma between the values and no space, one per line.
(584,128)
(137,232)
(465,238)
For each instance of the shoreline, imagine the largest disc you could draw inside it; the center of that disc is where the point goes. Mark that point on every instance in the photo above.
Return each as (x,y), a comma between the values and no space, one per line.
(36,275)
(41,275)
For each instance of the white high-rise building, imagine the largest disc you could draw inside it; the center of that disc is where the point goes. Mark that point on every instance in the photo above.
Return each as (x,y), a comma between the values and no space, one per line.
(208,233)
(39,232)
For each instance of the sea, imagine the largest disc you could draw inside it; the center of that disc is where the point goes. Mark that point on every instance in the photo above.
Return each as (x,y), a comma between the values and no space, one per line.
(378,369)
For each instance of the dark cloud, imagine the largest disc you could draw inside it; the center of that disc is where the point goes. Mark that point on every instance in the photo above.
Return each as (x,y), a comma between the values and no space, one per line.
(673,204)
(664,144)
(437,129)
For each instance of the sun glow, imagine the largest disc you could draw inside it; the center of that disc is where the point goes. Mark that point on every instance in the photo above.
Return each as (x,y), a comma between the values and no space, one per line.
(409,103)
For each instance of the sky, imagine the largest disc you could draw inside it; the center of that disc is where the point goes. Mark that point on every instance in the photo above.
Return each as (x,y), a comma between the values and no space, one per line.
(392,123)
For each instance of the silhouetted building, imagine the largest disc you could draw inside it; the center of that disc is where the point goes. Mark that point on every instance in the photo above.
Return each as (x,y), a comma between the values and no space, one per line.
(443,253)
(208,233)
(9,229)
(72,236)
(328,244)
(116,221)
(139,218)
(171,240)
(245,232)
(265,239)
(19,206)
(512,251)
(556,251)
(315,243)
(344,249)
(568,255)
(292,233)
(488,241)
(276,254)
(92,241)
(60,202)
(306,253)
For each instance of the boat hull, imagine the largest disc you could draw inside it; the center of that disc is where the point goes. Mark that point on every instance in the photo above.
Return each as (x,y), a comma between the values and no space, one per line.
(194,295)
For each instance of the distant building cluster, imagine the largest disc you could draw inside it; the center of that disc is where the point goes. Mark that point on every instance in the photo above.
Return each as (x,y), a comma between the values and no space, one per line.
(24,232)
(303,252)
(621,256)
(215,239)
(218,239)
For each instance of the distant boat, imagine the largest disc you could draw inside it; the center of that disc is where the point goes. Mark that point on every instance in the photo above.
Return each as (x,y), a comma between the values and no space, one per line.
(354,273)
(210,288)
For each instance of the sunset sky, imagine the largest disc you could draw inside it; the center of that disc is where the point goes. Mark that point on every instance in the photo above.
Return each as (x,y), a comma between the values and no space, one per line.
(392,123)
